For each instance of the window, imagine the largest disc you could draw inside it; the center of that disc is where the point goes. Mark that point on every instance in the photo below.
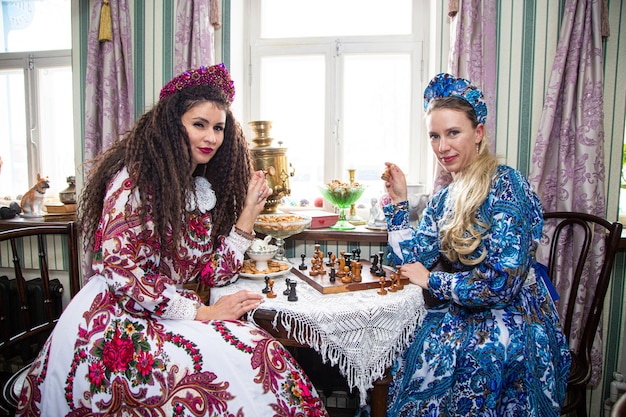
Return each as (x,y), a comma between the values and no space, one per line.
(36,123)
(341,81)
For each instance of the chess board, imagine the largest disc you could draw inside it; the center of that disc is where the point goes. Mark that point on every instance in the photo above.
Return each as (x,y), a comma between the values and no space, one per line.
(322,282)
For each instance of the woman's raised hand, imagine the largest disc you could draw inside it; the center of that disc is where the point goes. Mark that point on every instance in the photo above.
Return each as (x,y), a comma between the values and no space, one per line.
(258,191)
(395,183)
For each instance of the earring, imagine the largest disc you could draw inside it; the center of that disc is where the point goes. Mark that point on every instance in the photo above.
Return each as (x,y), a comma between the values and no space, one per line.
(477,148)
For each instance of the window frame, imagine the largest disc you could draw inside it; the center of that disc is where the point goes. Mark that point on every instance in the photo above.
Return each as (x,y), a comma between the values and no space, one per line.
(29,62)
(420,170)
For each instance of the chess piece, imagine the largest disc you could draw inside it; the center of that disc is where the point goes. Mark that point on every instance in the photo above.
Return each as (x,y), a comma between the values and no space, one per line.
(348,260)
(332,275)
(267,285)
(382,290)
(302,266)
(346,278)
(271,293)
(356,271)
(358,254)
(329,263)
(333,259)
(374,267)
(292,293)
(392,287)
(399,284)
(286,292)
(342,266)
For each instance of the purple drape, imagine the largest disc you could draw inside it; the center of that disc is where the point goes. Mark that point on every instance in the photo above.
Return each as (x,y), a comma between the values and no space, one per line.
(108,81)
(108,87)
(473,56)
(567,167)
(194,34)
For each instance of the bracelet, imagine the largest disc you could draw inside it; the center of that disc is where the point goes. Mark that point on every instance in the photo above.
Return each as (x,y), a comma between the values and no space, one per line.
(244,234)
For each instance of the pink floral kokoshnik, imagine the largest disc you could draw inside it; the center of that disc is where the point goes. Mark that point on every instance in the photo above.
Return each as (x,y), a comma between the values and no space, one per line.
(216,76)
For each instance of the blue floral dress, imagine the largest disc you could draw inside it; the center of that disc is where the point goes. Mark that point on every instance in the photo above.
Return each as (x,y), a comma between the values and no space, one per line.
(128,345)
(492,344)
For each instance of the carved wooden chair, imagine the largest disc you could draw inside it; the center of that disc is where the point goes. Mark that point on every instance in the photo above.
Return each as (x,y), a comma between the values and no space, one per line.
(29,308)
(577,262)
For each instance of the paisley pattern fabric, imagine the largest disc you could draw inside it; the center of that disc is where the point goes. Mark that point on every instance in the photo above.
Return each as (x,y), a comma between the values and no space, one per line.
(124,347)
(491,345)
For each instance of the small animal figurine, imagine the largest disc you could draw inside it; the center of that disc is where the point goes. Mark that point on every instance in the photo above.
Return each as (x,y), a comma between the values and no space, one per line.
(33,198)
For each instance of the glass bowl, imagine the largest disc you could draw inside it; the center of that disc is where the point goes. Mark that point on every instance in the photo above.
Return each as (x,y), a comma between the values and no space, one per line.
(342,195)
(281,226)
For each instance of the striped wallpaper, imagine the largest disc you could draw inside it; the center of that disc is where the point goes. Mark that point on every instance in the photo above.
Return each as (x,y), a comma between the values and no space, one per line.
(527,38)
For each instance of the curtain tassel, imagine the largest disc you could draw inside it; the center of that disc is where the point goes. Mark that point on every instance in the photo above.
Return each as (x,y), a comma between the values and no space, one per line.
(105,33)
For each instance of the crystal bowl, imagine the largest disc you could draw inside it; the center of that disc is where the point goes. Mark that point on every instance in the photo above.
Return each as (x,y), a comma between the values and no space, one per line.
(342,195)
(281,226)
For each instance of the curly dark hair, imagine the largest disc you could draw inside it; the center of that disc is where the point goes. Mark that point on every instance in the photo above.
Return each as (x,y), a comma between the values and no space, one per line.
(157,154)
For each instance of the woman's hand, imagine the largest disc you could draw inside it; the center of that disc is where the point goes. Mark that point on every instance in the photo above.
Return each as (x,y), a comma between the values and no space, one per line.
(230,307)
(258,191)
(395,183)
(416,273)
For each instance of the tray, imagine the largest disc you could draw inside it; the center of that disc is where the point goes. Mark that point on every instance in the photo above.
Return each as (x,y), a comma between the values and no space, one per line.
(322,282)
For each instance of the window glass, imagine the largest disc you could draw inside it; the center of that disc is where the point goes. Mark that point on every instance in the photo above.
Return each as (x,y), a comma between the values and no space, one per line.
(376,114)
(292,19)
(13,150)
(35,25)
(341,82)
(292,97)
(56,133)
(36,118)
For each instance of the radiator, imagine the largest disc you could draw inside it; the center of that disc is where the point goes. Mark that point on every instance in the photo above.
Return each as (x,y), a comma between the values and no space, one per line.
(10,309)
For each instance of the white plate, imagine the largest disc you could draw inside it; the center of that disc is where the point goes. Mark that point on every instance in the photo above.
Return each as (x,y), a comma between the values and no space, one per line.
(262,276)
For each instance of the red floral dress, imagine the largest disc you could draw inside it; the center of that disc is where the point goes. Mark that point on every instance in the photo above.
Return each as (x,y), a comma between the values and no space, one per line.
(127,343)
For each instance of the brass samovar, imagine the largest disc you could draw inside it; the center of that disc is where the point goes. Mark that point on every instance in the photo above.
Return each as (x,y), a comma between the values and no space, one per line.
(273,162)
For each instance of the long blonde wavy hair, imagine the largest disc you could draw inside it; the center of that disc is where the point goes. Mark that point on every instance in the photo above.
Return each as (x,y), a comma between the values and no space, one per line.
(462,233)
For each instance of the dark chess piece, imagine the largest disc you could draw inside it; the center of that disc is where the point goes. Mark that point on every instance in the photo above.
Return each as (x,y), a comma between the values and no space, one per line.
(267,285)
(354,254)
(332,275)
(292,293)
(302,266)
(348,258)
(358,254)
(330,261)
(374,267)
(380,272)
(286,292)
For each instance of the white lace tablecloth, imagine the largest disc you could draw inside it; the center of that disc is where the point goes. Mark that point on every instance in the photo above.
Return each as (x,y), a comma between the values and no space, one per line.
(361,332)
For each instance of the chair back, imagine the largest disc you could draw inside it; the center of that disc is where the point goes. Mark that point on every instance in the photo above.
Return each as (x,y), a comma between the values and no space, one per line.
(29,308)
(582,250)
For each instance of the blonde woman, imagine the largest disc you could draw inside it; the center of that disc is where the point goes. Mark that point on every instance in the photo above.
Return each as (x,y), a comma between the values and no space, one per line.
(492,344)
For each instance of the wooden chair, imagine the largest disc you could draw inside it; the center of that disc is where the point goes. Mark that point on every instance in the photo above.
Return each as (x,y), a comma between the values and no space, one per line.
(25,323)
(570,237)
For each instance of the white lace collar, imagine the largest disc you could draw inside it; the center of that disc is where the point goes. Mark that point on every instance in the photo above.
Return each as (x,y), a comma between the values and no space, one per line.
(204,198)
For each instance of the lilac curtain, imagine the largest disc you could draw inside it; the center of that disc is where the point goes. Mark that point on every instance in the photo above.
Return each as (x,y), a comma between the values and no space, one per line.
(196,21)
(473,56)
(109,80)
(108,84)
(567,167)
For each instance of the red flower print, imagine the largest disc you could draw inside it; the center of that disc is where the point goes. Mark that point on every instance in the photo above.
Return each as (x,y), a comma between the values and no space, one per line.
(97,240)
(117,353)
(144,363)
(96,374)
